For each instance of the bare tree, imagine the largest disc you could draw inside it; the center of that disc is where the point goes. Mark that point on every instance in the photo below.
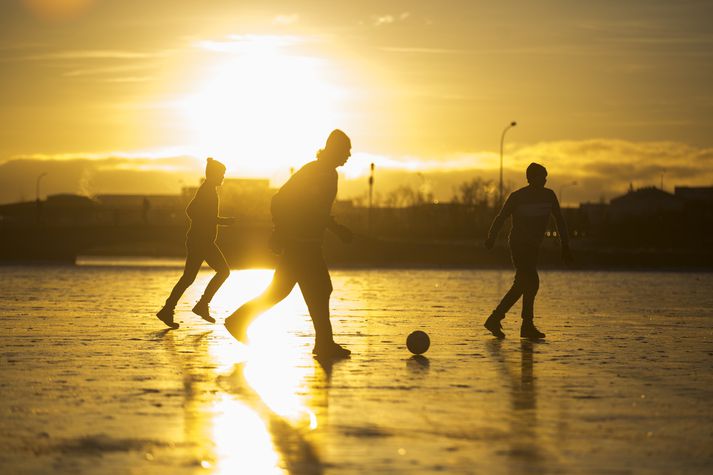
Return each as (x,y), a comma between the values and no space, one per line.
(476,192)
(404,196)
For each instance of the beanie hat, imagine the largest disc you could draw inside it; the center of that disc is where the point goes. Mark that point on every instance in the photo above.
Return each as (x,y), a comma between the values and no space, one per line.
(213,166)
(338,139)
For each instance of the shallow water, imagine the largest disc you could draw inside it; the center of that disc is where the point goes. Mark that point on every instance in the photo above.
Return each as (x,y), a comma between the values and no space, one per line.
(90,382)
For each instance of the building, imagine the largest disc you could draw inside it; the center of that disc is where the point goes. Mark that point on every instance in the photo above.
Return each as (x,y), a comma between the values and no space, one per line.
(644,203)
(700,195)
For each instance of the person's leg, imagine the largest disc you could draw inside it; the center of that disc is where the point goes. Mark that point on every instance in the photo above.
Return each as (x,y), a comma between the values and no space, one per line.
(531,284)
(316,286)
(510,298)
(214,257)
(283,281)
(194,259)
(528,329)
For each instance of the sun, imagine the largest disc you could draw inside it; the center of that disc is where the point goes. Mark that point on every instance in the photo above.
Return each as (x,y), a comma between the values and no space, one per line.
(263,109)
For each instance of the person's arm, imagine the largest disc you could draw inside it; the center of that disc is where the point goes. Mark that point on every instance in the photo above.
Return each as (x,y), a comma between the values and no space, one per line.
(195,207)
(505,213)
(342,232)
(562,231)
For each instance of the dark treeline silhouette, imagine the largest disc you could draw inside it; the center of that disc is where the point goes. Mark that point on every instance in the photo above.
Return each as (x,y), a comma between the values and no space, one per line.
(647,227)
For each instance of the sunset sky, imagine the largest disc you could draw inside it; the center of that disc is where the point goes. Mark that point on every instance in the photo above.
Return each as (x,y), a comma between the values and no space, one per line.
(130,96)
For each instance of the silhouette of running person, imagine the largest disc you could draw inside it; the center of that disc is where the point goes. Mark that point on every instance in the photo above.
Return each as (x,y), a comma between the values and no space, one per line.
(530,208)
(300,213)
(201,246)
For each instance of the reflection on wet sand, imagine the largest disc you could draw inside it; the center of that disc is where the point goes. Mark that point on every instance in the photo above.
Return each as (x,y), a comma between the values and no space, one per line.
(249,411)
(525,453)
(418,364)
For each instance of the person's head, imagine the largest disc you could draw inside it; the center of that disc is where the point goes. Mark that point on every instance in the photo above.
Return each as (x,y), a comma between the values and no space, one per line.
(214,172)
(536,175)
(337,150)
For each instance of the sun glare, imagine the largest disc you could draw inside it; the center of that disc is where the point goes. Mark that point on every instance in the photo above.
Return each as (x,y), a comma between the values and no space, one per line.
(267,378)
(262,109)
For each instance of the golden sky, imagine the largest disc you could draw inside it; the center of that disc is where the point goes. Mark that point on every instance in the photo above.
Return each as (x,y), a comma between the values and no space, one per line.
(605,93)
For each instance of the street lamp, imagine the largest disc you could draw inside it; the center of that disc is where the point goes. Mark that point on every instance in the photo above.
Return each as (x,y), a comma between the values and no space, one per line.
(38,203)
(502,141)
(574,183)
(371,194)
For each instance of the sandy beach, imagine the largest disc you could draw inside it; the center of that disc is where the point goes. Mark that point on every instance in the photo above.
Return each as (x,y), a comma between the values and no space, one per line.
(91,381)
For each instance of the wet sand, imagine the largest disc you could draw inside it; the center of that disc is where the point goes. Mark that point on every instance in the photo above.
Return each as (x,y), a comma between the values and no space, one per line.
(90,381)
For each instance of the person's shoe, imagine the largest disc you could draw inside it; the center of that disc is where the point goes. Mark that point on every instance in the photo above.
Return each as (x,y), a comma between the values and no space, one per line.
(166,316)
(493,326)
(201,309)
(330,351)
(237,327)
(529,331)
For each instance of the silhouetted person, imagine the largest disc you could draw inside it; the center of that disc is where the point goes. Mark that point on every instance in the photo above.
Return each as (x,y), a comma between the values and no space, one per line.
(530,208)
(201,246)
(300,213)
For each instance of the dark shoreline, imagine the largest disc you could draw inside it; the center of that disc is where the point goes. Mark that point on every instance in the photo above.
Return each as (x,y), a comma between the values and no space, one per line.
(178,264)
(247,248)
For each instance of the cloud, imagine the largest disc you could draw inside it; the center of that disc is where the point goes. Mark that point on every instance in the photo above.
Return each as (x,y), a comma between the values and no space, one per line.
(286,19)
(116,66)
(381,20)
(602,168)
(411,50)
(138,156)
(95,54)
(91,174)
(89,55)
(106,70)
(249,43)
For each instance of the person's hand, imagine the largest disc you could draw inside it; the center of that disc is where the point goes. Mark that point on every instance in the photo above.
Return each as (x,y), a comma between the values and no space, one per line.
(567,257)
(344,233)
(489,243)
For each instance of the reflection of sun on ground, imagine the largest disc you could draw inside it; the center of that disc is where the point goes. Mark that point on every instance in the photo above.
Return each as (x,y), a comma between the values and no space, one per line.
(261,108)
(271,367)
(273,335)
(242,441)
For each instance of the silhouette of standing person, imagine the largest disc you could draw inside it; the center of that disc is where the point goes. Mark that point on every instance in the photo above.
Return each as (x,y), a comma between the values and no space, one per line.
(201,246)
(530,208)
(300,213)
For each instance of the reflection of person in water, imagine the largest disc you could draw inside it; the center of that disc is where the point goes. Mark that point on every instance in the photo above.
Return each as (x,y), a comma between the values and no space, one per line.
(525,450)
(201,246)
(301,212)
(530,208)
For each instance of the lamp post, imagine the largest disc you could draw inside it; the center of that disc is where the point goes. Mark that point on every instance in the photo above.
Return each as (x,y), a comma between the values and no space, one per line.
(38,203)
(574,183)
(371,194)
(37,186)
(502,141)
